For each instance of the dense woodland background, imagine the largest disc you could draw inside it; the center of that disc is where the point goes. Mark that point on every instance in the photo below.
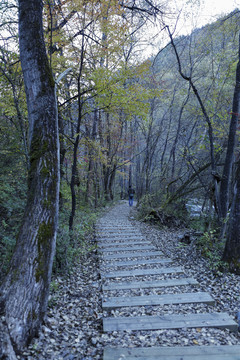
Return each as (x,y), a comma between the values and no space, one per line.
(122,120)
(159,123)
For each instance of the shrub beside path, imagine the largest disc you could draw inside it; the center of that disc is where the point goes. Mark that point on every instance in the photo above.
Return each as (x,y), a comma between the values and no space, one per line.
(152,308)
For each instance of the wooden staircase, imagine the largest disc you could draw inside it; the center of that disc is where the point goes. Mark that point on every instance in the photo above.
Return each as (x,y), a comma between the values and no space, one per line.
(129,262)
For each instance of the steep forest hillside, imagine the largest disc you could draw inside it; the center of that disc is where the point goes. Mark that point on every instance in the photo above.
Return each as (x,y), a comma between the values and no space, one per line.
(181,159)
(191,157)
(190,164)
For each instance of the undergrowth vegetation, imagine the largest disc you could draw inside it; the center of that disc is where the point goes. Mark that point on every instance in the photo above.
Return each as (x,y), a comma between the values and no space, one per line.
(12,203)
(79,242)
(202,230)
(171,215)
(69,245)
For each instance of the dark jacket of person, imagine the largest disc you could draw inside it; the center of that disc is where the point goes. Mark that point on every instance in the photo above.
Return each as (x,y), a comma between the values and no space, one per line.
(131,192)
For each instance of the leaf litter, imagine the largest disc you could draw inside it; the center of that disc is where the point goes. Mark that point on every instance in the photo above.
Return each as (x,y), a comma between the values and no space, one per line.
(73,329)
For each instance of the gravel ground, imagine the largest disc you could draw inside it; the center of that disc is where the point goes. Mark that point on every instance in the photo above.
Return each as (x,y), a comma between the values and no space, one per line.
(73,327)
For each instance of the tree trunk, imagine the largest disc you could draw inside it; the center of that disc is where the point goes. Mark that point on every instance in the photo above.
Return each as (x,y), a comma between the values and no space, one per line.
(232,248)
(208,121)
(74,176)
(106,176)
(111,181)
(91,167)
(25,289)
(227,171)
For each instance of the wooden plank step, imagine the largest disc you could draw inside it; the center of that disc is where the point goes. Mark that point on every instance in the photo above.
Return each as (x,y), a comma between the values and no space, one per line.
(141,272)
(113,226)
(138,262)
(120,234)
(129,248)
(125,243)
(128,285)
(124,227)
(129,229)
(218,320)
(220,352)
(117,228)
(132,255)
(123,238)
(149,300)
(118,231)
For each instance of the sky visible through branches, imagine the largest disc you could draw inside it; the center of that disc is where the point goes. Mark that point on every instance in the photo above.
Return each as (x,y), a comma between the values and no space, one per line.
(183,16)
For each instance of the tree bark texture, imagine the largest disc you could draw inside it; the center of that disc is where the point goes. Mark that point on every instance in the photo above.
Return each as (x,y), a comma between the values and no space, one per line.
(24,293)
(232,248)
(227,170)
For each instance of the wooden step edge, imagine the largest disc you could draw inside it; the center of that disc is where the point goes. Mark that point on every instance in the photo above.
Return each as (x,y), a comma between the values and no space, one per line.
(123,243)
(128,285)
(130,263)
(142,272)
(206,320)
(141,254)
(219,352)
(157,300)
(127,248)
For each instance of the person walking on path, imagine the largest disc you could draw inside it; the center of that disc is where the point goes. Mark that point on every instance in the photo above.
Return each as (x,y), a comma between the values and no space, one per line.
(131,193)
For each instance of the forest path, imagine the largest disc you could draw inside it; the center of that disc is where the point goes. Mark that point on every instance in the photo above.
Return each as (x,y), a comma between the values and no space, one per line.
(146,296)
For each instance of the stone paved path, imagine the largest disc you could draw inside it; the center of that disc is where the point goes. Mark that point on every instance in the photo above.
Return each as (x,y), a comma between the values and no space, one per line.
(128,262)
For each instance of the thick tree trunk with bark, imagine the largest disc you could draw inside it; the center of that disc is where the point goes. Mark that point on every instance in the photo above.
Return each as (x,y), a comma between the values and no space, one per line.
(227,171)
(232,248)
(24,293)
